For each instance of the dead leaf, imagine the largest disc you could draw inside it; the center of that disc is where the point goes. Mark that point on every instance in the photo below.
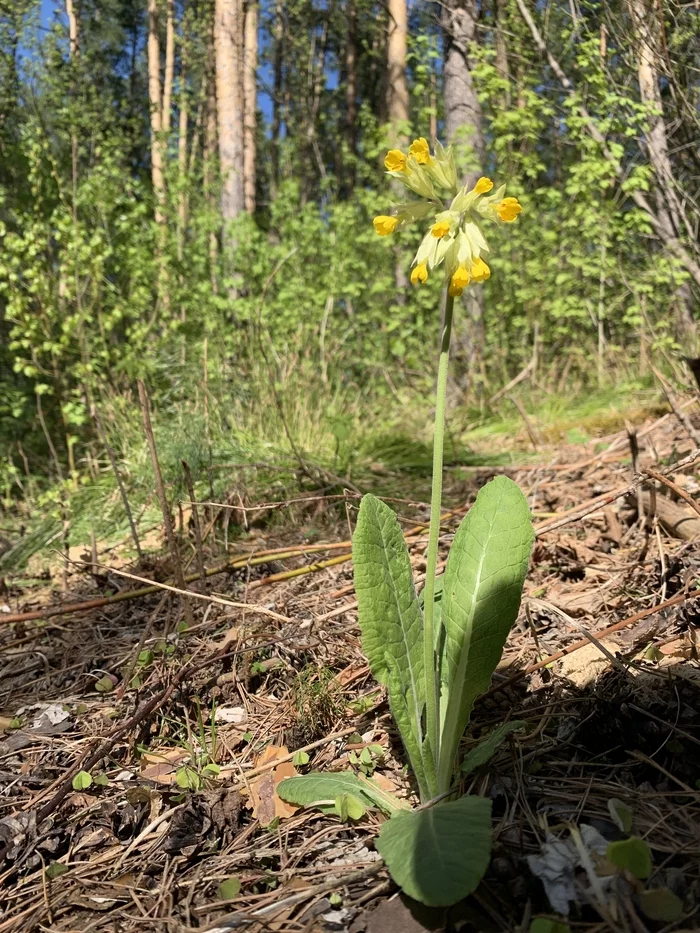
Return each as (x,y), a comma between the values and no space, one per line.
(264,801)
(584,666)
(161,766)
(6,723)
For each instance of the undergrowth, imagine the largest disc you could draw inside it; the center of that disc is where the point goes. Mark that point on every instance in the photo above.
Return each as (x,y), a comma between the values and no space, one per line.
(257,442)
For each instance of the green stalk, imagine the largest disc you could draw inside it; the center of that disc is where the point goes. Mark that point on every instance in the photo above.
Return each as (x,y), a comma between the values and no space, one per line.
(432,678)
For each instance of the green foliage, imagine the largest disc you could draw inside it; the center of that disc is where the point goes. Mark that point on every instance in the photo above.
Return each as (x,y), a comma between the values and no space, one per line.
(631,855)
(438,855)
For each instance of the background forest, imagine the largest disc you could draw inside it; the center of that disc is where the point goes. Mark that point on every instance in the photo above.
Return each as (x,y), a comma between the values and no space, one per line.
(186,196)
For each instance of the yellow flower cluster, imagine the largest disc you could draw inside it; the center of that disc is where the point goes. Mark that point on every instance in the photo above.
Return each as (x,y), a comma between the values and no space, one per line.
(455,238)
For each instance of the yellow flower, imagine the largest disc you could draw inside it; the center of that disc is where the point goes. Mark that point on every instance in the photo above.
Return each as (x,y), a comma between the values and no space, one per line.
(483,185)
(420,150)
(385,225)
(395,161)
(454,291)
(508,209)
(480,271)
(440,229)
(460,279)
(419,273)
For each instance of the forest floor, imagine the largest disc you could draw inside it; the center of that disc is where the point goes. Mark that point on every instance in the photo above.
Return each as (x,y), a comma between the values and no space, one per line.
(141,740)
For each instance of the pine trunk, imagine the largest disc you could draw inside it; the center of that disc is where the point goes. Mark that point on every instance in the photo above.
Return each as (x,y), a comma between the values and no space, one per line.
(250,104)
(397,87)
(228,44)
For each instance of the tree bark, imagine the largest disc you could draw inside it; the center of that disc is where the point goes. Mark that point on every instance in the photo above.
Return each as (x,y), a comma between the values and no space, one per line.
(277,93)
(464,130)
(397,86)
(463,118)
(154,100)
(250,88)
(351,92)
(166,116)
(228,43)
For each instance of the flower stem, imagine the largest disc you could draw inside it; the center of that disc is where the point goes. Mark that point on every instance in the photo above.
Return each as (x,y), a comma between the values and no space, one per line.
(432,674)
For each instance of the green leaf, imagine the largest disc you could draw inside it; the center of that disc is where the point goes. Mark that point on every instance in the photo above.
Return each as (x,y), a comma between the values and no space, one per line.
(661,904)
(300,758)
(546,925)
(101,780)
(632,855)
(349,807)
(55,870)
(229,889)
(82,780)
(620,814)
(480,601)
(392,624)
(484,750)
(439,855)
(306,790)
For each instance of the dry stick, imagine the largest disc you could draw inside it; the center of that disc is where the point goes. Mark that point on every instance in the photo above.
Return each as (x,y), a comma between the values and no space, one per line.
(601,633)
(195,521)
(681,493)
(523,374)
(634,451)
(122,491)
(677,410)
(160,489)
(235,563)
(528,424)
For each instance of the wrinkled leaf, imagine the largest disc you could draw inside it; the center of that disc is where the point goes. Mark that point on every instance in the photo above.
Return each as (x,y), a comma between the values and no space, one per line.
(485,749)
(631,855)
(309,790)
(480,601)
(392,623)
(439,855)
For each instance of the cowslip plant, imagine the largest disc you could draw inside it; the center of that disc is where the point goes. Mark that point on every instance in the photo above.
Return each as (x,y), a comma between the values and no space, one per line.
(435,654)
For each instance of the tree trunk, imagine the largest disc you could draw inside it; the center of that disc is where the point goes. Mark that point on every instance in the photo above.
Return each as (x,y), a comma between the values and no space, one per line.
(228,43)
(464,130)
(250,88)
(72,28)
(166,115)
(351,93)
(277,93)
(154,100)
(463,120)
(397,87)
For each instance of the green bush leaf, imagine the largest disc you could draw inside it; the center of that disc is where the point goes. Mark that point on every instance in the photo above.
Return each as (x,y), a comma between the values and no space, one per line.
(480,600)
(392,624)
(632,855)
(229,889)
(439,855)
(661,904)
(55,870)
(82,781)
(306,790)
(485,749)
